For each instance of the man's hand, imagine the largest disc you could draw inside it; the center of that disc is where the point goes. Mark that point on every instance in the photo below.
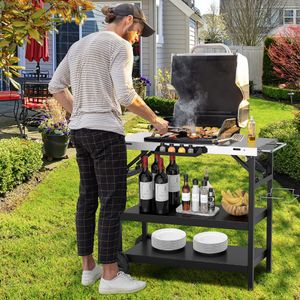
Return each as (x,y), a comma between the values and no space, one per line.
(160,125)
(139,107)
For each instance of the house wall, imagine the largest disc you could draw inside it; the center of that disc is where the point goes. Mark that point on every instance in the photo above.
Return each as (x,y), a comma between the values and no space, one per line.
(148,56)
(292,3)
(176,34)
(148,46)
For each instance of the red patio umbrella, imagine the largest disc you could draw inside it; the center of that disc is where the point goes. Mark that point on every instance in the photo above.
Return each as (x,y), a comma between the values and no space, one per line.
(34,50)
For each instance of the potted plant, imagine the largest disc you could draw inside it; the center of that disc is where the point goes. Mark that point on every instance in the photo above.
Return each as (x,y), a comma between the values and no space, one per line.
(55,131)
(140,85)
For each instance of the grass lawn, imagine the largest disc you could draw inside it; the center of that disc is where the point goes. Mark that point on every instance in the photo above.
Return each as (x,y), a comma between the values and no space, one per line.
(38,248)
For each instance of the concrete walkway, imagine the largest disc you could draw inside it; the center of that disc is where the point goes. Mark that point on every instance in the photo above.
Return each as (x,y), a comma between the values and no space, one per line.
(9,129)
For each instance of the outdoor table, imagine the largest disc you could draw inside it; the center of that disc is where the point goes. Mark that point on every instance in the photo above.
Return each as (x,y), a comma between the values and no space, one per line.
(235,258)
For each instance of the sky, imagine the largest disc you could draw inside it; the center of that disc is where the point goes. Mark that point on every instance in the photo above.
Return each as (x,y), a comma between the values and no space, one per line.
(204,5)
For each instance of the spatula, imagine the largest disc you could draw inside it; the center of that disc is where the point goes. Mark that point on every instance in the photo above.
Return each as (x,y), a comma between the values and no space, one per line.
(237,137)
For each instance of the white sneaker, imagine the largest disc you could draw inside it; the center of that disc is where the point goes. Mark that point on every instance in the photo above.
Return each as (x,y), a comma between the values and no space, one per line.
(90,277)
(122,283)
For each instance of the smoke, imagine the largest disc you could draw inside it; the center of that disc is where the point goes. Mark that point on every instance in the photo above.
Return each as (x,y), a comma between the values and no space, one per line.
(193,99)
(186,109)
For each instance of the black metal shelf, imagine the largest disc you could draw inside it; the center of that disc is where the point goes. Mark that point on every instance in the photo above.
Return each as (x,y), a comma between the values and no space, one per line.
(233,259)
(221,220)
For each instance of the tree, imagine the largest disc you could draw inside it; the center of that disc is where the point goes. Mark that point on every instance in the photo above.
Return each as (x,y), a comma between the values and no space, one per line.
(248,22)
(285,56)
(21,19)
(214,27)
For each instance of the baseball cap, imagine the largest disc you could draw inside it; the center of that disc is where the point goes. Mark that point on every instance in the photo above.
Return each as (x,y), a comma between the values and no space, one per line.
(137,13)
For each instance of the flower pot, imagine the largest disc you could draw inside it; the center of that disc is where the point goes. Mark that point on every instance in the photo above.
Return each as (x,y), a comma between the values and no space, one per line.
(55,146)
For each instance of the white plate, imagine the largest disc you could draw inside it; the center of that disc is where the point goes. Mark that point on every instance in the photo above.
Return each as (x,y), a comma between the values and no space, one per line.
(168,239)
(210,238)
(210,242)
(209,251)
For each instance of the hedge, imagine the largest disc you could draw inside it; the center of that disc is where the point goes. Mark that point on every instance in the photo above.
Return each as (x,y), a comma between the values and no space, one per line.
(287,159)
(280,94)
(269,77)
(19,159)
(163,106)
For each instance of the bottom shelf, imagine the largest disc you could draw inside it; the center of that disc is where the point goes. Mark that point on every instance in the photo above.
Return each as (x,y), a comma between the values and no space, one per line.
(233,259)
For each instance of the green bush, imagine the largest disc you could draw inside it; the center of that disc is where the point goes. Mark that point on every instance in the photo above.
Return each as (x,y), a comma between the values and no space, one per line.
(19,159)
(280,94)
(287,159)
(269,77)
(163,106)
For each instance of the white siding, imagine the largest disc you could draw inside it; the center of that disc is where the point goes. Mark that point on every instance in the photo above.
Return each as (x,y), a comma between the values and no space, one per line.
(292,3)
(176,34)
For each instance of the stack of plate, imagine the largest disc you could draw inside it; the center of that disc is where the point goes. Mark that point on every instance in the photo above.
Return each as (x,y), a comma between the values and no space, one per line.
(168,239)
(210,242)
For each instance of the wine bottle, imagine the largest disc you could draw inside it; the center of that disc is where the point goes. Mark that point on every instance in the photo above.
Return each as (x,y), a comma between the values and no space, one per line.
(161,190)
(186,194)
(154,170)
(145,188)
(174,183)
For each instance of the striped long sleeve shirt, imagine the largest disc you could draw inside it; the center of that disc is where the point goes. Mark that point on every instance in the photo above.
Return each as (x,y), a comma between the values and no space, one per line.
(99,70)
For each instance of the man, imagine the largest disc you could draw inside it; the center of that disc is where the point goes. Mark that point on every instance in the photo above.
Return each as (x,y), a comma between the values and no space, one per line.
(98,68)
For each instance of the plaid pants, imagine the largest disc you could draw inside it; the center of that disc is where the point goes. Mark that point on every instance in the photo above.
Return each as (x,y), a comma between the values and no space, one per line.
(102,162)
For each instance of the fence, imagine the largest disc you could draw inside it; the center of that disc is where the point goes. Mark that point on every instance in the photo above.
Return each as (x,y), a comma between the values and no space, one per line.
(255,60)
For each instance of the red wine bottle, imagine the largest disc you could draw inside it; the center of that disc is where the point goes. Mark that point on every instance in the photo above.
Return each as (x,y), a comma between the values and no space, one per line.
(174,183)
(154,170)
(186,194)
(161,190)
(145,188)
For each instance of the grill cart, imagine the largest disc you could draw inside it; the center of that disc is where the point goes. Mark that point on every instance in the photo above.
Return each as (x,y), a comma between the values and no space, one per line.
(210,95)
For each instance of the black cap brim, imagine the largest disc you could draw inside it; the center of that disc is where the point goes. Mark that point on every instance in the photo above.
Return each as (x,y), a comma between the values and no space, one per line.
(148,30)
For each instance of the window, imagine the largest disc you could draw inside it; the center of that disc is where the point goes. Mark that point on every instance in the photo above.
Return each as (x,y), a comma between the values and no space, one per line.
(68,34)
(291,16)
(159,22)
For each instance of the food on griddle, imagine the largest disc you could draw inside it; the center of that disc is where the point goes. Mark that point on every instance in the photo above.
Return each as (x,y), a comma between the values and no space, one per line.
(215,129)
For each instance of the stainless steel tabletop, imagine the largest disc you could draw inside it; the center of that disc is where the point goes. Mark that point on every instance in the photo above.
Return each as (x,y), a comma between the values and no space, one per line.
(135,141)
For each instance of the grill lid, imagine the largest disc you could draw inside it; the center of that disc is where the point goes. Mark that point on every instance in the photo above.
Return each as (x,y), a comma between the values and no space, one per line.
(208,90)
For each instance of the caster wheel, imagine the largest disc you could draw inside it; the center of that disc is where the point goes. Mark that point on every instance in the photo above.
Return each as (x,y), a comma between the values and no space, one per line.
(139,239)
(123,262)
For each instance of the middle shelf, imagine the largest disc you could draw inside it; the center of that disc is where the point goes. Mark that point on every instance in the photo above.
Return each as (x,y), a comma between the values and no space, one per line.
(221,220)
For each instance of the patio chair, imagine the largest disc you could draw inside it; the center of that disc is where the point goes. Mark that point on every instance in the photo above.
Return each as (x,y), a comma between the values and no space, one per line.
(34,99)
(15,97)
